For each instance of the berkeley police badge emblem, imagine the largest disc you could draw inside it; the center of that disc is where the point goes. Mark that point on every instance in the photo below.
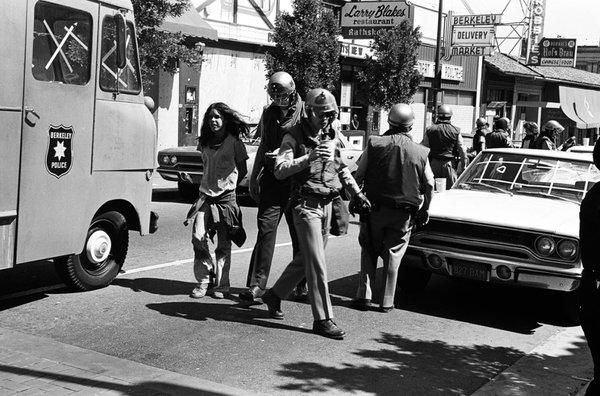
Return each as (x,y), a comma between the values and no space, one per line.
(60,150)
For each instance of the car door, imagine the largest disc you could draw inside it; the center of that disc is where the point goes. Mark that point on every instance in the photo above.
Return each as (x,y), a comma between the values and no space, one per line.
(57,129)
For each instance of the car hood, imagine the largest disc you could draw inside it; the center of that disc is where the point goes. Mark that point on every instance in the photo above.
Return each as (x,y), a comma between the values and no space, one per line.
(497,209)
(179,150)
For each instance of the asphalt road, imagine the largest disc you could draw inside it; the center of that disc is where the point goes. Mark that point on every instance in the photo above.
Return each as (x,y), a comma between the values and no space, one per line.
(451,339)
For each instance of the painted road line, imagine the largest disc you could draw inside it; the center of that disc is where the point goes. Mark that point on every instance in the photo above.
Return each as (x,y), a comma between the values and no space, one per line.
(187,261)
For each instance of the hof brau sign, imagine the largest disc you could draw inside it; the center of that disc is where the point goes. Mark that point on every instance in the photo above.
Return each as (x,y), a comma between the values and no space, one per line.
(364,20)
(557,52)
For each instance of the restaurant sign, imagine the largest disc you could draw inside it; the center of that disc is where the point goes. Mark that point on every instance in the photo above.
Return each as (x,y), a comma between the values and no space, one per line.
(557,52)
(365,19)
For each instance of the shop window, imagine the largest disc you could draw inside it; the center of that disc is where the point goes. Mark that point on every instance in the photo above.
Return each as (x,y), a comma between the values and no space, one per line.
(62,39)
(466,99)
(113,79)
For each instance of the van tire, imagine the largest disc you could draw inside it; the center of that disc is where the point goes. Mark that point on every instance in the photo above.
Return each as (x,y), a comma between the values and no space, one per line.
(412,280)
(187,191)
(79,272)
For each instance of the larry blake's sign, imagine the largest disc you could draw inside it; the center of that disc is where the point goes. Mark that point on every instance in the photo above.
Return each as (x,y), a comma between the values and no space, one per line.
(365,19)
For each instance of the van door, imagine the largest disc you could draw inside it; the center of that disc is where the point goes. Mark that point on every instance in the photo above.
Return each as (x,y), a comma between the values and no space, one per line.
(57,128)
(12,35)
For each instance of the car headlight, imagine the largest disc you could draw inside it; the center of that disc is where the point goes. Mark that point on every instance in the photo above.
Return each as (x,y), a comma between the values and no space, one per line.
(173,160)
(165,159)
(545,246)
(567,249)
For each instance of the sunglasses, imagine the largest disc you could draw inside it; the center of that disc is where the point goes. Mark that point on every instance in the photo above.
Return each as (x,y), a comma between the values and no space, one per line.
(328,114)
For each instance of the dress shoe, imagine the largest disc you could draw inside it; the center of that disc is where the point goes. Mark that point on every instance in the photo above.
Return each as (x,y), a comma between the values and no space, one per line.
(300,293)
(252,293)
(199,291)
(273,304)
(327,328)
(362,304)
(386,309)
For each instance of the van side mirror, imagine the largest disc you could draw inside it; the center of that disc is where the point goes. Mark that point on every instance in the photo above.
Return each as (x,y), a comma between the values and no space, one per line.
(121,33)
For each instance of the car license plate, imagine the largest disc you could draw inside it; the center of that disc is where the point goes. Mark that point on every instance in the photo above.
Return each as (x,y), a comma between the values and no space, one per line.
(469,270)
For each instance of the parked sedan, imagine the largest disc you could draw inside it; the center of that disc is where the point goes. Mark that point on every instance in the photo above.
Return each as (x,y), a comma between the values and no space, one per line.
(511,218)
(175,162)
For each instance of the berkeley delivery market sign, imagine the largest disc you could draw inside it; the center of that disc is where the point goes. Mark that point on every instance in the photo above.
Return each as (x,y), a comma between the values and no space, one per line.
(364,19)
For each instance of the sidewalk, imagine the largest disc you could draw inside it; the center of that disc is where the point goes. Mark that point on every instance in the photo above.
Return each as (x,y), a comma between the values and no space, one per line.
(31,365)
(562,365)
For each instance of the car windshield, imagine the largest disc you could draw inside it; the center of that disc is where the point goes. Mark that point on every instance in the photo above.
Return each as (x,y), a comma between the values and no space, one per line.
(521,174)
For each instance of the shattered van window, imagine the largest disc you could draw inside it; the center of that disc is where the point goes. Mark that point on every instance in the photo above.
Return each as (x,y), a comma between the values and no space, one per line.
(62,38)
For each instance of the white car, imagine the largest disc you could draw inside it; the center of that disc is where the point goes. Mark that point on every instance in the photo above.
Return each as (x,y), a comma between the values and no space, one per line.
(511,218)
(581,149)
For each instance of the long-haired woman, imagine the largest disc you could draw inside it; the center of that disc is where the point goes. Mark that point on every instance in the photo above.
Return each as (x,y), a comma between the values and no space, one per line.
(216,212)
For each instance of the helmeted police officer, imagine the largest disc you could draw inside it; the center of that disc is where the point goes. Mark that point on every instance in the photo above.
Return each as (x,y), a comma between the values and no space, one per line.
(445,143)
(310,155)
(549,135)
(589,233)
(398,181)
(500,136)
(271,194)
(481,130)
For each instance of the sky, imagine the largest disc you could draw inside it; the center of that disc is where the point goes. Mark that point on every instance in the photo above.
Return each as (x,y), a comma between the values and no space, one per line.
(579,19)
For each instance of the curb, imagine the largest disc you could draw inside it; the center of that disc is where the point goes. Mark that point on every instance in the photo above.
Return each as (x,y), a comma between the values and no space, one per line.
(30,362)
(562,365)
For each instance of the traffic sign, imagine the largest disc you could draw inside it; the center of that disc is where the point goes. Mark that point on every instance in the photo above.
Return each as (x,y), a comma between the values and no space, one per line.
(479,36)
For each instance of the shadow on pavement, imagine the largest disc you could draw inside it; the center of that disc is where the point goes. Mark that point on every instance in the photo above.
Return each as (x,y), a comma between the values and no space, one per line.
(161,286)
(404,366)
(513,309)
(142,388)
(239,313)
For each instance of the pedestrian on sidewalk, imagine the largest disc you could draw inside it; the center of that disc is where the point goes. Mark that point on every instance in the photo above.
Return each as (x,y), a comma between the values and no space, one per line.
(310,155)
(532,131)
(216,212)
(398,181)
(589,234)
(272,195)
(446,145)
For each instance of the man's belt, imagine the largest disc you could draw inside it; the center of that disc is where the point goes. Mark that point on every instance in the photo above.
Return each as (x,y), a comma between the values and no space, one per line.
(412,209)
(314,201)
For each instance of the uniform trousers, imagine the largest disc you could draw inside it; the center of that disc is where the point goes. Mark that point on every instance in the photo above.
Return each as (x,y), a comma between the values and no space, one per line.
(204,265)
(312,228)
(385,234)
(443,168)
(272,205)
(590,323)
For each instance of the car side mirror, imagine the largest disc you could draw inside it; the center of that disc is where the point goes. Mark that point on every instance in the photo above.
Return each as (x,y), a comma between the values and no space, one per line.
(121,35)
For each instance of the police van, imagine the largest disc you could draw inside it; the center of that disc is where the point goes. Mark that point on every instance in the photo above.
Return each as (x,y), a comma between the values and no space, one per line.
(77,140)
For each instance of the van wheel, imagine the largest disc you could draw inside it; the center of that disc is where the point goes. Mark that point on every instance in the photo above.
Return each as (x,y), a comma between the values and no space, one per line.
(412,280)
(102,257)
(187,191)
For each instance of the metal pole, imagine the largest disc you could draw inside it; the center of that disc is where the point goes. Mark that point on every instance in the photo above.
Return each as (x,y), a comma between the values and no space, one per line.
(437,83)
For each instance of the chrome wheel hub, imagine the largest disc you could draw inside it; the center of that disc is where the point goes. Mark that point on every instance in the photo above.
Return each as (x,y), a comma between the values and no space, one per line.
(98,247)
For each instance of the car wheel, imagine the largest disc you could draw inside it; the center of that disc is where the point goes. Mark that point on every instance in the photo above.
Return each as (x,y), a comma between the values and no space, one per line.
(412,280)
(187,191)
(102,257)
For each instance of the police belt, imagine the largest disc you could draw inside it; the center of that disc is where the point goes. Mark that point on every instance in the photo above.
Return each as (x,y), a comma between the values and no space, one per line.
(411,209)
(314,201)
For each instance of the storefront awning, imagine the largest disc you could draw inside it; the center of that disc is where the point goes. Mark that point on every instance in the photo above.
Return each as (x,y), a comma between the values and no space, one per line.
(581,105)
(190,24)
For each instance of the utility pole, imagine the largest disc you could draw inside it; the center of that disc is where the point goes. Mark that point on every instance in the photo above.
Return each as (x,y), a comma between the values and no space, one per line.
(437,78)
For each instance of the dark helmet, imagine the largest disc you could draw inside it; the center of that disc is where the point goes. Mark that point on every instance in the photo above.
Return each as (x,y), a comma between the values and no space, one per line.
(502,123)
(321,100)
(481,122)
(552,127)
(401,116)
(444,112)
(280,88)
